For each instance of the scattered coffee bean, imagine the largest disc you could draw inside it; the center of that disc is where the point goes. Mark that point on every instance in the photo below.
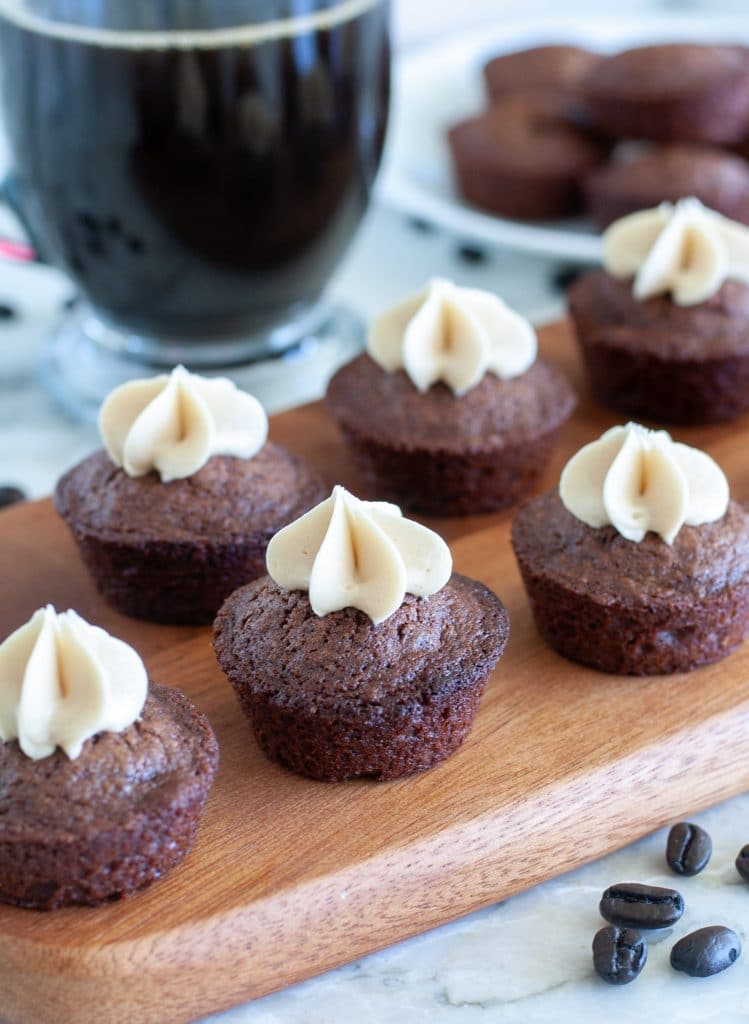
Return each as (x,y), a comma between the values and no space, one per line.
(634,905)
(688,848)
(742,862)
(11,495)
(7,312)
(706,951)
(619,954)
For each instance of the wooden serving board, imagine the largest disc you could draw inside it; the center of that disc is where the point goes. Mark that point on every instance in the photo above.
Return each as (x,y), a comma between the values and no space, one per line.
(291,877)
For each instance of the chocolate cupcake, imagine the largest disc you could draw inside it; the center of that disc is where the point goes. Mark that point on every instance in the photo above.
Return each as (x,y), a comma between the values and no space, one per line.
(525,157)
(639,564)
(450,412)
(104,776)
(556,69)
(675,92)
(718,179)
(664,329)
(179,509)
(361,655)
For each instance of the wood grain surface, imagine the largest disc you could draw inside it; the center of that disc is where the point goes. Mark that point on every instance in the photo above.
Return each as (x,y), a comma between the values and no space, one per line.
(291,877)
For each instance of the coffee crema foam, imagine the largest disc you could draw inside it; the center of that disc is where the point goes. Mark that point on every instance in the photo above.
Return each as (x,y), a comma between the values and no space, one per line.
(17,12)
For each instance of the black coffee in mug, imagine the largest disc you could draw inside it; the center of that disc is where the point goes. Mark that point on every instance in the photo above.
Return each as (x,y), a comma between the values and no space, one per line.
(197,166)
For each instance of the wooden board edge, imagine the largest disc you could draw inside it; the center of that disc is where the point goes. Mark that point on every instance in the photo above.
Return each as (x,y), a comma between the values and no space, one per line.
(194,970)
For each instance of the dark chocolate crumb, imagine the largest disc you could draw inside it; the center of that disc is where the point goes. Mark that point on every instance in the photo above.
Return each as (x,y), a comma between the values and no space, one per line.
(421,224)
(471,254)
(562,277)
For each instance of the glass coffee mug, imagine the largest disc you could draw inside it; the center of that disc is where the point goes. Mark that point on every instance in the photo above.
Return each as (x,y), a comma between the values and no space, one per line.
(197,167)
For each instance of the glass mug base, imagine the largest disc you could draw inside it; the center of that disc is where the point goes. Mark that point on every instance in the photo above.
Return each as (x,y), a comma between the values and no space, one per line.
(86,357)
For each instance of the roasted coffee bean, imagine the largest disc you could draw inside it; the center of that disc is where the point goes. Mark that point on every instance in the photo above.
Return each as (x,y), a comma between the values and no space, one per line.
(706,951)
(688,848)
(10,495)
(619,954)
(634,905)
(742,862)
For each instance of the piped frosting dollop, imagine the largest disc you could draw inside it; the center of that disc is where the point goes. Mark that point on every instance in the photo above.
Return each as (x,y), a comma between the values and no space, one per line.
(63,680)
(452,335)
(638,480)
(684,249)
(175,422)
(349,553)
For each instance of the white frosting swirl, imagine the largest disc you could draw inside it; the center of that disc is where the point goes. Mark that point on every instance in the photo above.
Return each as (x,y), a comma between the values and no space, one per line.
(638,480)
(454,335)
(686,249)
(349,553)
(63,680)
(175,422)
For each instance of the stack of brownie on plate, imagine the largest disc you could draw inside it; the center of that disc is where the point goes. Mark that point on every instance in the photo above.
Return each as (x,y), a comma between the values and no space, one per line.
(567,130)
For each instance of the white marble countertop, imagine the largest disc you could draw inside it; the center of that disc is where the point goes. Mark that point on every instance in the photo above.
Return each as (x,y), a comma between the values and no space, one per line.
(527,959)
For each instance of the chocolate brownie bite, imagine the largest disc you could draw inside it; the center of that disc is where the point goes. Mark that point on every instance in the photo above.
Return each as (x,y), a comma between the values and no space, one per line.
(439,419)
(718,179)
(556,68)
(659,361)
(336,699)
(645,583)
(172,552)
(525,157)
(663,330)
(674,92)
(372,669)
(120,805)
(168,541)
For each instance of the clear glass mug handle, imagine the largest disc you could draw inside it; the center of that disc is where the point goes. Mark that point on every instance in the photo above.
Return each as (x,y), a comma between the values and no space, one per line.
(17,250)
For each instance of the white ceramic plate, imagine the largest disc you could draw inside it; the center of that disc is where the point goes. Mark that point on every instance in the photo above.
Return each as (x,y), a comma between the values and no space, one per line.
(439,84)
